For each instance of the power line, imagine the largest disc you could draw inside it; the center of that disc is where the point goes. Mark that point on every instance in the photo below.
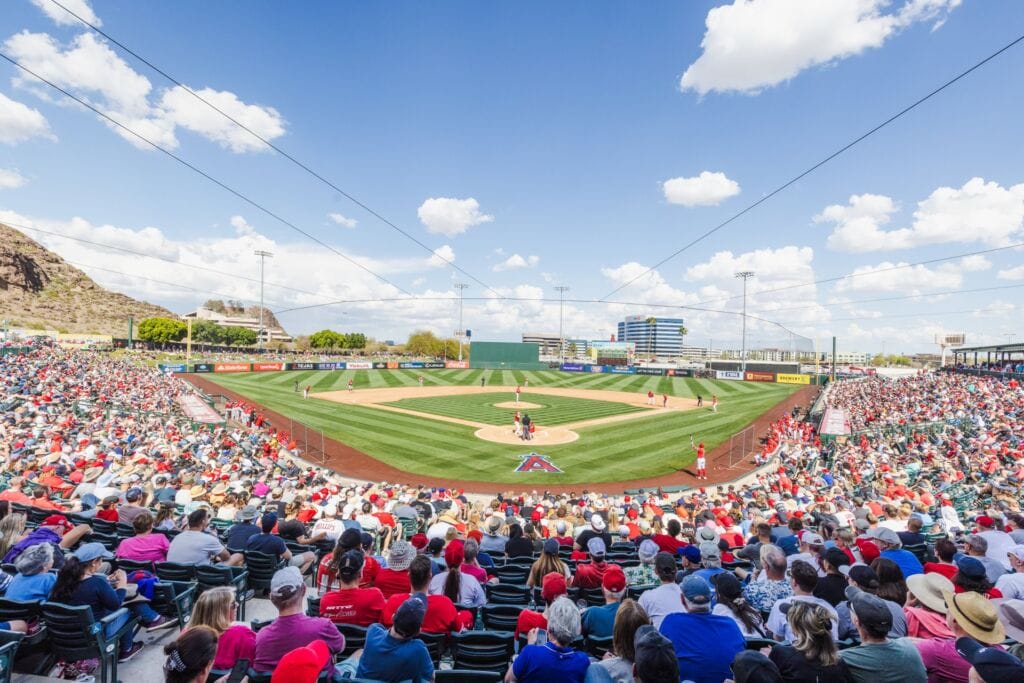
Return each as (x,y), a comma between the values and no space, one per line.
(949,292)
(818,165)
(274,147)
(201,172)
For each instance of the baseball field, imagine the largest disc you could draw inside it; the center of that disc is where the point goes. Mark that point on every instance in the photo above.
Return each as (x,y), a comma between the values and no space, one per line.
(595,428)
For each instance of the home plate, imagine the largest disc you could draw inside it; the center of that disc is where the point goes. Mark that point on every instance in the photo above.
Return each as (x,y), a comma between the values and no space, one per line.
(546,436)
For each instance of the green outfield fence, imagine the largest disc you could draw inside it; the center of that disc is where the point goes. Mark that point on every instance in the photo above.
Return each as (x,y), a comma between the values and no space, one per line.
(505,356)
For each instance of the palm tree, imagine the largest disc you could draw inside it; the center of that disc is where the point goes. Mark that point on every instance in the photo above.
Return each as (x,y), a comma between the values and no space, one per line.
(682,333)
(572,350)
(651,322)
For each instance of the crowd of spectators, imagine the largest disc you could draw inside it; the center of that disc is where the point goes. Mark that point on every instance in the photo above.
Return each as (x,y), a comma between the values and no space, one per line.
(893,555)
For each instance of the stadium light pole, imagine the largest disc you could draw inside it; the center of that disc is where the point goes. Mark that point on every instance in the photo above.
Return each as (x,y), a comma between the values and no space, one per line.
(462,330)
(561,289)
(746,275)
(263,258)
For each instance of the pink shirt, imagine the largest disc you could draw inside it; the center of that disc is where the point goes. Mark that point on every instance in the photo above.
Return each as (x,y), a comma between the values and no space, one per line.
(477,573)
(238,642)
(943,663)
(148,548)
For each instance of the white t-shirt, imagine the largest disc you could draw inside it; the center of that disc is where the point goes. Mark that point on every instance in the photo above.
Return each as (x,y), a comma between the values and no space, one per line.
(1011,586)
(334,528)
(778,624)
(723,611)
(438,530)
(661,601)
(999,544)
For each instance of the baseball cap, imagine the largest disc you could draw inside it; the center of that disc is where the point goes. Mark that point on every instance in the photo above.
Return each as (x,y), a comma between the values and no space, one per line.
(134,493)
(597,522)
(692,553)
(655,655)
(664,564)
(871,610)
(552,586)
(303,664)
(551,546)
(419,541)
(648,550)
(409,615)
(57,520)
(861,573)
(248,512)
(971,567)
(1017,551)
(350,538)
(696,589)
(985,520)
(885,535)
(992,664)
(751,666)
(812,538)
(709,551)
(595,547)
(286,582)
(87,552)
(836,557)
(614,580)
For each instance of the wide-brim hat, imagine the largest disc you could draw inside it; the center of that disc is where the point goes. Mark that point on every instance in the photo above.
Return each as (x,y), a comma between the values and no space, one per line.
(92,474)
(197,492)
(1011,614)
(929,590)
(976,615)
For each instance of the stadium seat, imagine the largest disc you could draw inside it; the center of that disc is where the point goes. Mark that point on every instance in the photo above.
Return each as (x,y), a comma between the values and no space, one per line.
(313,605)
(23,610)
(213,575)
(130,566)
(355,638)
(7,652)
(435,643)
(593,596)
(102,526)
(501,617)
(758,643)
(507,594)
(596,647)
(466,676)
(635,592)
(513,574)
(482,650)
(409,527)
(74,635)
(175,571)
(261,567)
(174,599)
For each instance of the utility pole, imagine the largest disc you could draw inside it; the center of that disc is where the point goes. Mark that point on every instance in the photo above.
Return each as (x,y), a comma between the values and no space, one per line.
(462,330)
(561,289)
(1009,337)
(746,275)
(263,258)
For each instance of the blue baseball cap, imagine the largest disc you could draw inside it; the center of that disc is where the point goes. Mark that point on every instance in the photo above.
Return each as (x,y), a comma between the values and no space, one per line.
(691,553)
(696,590)
(88,552)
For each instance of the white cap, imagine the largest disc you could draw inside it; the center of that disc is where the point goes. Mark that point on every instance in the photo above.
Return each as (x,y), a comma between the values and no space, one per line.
(597,522)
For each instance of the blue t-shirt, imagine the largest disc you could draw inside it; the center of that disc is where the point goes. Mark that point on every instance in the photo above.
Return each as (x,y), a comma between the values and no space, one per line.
(599,621)
(96,592)
(548,662)
(389,659)
(705,645)
(907,561)
(35,587)
(239,535)
(268,544)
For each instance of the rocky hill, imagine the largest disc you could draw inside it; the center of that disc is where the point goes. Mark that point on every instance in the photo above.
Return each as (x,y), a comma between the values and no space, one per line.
(39,290)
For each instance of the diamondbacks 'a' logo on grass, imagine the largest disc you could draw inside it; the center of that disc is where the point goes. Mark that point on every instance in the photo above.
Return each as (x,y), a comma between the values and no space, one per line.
(537,463)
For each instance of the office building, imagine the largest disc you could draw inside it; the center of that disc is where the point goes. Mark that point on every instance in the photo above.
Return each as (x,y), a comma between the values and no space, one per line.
(652,336)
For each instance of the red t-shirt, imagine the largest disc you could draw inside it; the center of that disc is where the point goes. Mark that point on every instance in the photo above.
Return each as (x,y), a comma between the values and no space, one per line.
(107,515)
(947,570)
(390,582)
(359,606)
(441,617)
(668,544)
(589,575)
(327,580)
(528,620)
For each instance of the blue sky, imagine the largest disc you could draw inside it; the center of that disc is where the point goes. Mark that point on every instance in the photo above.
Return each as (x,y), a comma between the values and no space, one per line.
(531,144)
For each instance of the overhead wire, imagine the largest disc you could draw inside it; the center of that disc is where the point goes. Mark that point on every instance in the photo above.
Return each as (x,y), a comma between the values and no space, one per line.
(816,166)
(199,171)
(305,167)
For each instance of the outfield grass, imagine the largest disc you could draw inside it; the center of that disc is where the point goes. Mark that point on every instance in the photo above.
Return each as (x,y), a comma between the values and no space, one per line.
(554,410)
(642,447)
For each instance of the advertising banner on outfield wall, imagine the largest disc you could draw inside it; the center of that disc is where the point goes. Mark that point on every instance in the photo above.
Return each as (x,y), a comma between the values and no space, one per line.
(326,366)
(595,368)
(172,367)
(380,365)
(392,365)
(267,367)
(358,365)
(760,377)
(411,365)
(202,367)
(786,378)
(434,365)
(573,367)
(232,367)
(679,372)
(651,371)
(620,369)
(457,364)
(728,374)
(300,366)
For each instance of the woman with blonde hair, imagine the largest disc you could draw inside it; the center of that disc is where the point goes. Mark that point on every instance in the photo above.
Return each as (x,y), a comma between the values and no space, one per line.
(12,530)
(215,608)
(547,562)
(628,619)
(812,655)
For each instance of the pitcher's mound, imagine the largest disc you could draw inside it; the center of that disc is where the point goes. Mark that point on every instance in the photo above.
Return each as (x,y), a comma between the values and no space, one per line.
(544,436)
(522,405)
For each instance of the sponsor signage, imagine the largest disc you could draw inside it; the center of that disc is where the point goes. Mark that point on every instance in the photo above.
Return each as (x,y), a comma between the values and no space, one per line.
(326,366)
(267,367)
(786,378)
(202,367)
(620,369)
(358,365)
(380,365)
(392,365)
(573,367)
(301,366)
(760,376)
(411,365)
(457,364)
(650,371)
(232,367)
(595,368)
(434,365)
(728,374)
(173,367)
(532,462)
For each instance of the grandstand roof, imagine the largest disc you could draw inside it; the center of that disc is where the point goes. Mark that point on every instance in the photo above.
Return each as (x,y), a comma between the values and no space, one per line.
(993,348)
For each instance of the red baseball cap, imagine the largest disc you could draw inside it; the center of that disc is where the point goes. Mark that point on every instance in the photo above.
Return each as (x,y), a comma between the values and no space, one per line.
(302,665)
(985,520)
(614,580)
(419,541)
(57,520)
(552,586)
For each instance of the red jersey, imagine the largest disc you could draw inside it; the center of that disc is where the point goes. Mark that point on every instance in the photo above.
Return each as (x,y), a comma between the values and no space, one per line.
(589,575)
(359,606)
(668,544)
(390,582)
(327,579)
(947,570)
(441,617)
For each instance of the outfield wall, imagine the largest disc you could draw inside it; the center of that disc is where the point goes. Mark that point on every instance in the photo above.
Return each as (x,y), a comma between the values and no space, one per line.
(505,356)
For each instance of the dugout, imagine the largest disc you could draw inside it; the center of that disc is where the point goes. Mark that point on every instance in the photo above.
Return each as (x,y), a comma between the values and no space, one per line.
(505,356)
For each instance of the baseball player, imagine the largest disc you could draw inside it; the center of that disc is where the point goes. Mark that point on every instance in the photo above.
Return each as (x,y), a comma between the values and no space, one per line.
(650,397)
(350,385)
(702,463)
(518,391)
(714,403)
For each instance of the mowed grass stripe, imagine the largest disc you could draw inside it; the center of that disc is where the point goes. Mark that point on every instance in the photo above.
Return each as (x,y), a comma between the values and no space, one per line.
(555,410)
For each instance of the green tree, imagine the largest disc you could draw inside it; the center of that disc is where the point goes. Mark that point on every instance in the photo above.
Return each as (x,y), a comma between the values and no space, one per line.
(161,330)
(878,360)
(424,343)
(651,322)
(207,332)
(327,339)
(355,340)
(572,350)
(239,336)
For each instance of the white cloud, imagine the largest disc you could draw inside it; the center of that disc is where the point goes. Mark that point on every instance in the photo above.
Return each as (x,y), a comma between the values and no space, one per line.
(915,280)
(753,44)
(90,69)
(515,261)
(19,122)
(450,217)
(443,256)
(706,189)
(10,178)
(771,266)
(342,220)
(241,226)
(979,211)
(1012,274)
(62,18)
